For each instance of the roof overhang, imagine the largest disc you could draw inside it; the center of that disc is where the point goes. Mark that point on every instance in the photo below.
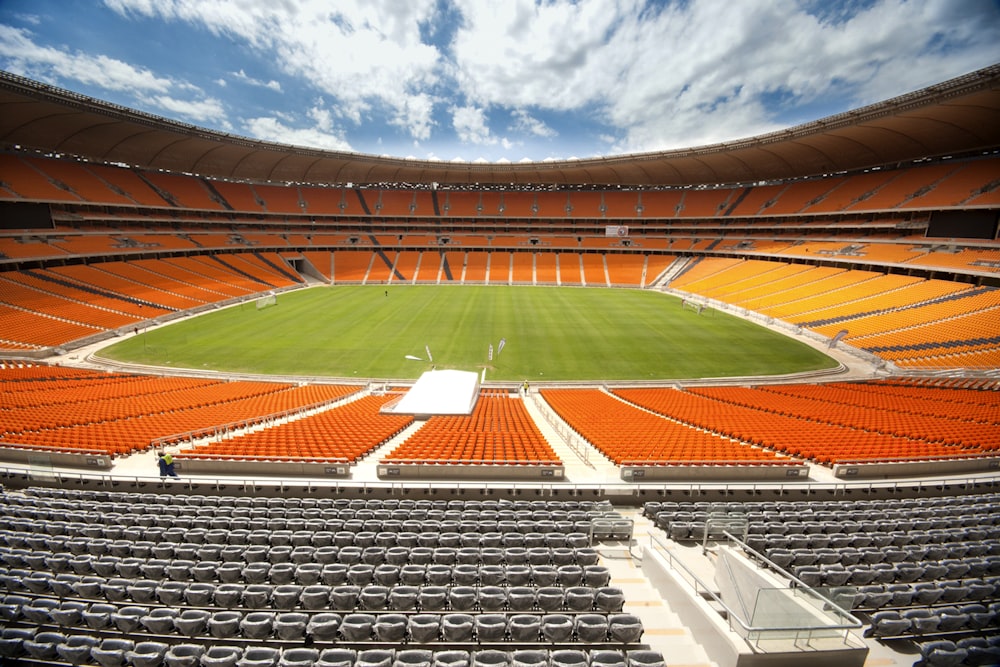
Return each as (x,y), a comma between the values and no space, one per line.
(957,117)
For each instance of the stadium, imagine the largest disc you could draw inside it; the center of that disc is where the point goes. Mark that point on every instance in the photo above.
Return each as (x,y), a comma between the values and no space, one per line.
(427,485)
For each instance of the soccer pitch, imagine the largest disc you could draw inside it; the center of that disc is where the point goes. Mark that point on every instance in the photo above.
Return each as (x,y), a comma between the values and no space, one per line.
(551,333)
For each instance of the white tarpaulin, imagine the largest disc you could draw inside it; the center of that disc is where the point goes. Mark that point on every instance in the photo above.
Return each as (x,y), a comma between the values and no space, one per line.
(441,393)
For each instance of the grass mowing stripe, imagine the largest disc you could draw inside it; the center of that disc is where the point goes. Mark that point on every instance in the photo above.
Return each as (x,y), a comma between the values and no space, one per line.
(553,333)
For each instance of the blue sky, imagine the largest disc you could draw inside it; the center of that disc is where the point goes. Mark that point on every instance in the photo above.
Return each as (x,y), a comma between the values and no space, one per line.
(500,81)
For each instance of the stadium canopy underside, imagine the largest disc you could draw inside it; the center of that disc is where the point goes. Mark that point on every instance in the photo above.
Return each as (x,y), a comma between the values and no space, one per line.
(960,116)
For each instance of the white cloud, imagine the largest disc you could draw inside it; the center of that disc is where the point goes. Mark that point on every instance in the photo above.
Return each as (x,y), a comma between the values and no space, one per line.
(524,122)
(26,57)
(150,90)
(470,125)
(200,111)
(367,55)
(272,129)
(245,78)
(708,70)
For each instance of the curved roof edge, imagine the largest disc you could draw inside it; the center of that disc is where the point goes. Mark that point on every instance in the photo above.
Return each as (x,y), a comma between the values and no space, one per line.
(958,116)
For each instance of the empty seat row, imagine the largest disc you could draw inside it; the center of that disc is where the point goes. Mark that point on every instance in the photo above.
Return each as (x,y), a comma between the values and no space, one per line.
(365,533)
(93,511)
(72,496)
(976,554)
(350,628)
(923,594)
(44,582)
(115,652)
(934,621)
(290,531)
(135,555)
(862,574)
(971,651)
(977,541)
(321,596)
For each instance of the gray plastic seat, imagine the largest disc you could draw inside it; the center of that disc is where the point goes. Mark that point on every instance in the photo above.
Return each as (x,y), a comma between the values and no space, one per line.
(462,598)
(457,627)
(112,652)
(160,620)
(171,592)
(643,658)
(192,622)
(42,645)
(568,658)
(490,627)
(68,613)
(453,658)
(490,658)
(259,656)
(889,624)
(221,656)
(374,658)
(336,657)
(76,649)
(257,625)
(550,598)
(147,654)
(580,598)
(224,624)
(557,628)
(413,658)
(424,628)
(357,627)
(184,655)
(492,598)
(228,595)
(98,615)
(942,653)
(298,657)
(591,628)
(324,626)
(281,573)
(129,618)
(291,625)
(525,627)
(334,574)
(607,658)
(257,596)
(625,628)
(373,597)
(390,627)
(609,599)
(286,596)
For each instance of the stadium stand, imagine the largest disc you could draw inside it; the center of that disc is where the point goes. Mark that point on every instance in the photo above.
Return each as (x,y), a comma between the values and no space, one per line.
(498,432)
(333,570)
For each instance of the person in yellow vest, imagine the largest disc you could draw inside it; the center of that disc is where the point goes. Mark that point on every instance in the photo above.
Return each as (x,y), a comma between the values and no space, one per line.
(166,462)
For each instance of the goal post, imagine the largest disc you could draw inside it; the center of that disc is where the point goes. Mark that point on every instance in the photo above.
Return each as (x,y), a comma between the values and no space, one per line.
(270,299)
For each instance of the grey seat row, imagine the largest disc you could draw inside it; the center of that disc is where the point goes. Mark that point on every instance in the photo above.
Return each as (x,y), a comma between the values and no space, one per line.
(71,497)
(934,621)
(922,594)
(862,574)
(885,507)
(325,627)
(344,597)
(42,582)
(113,652)
(971,651)
(64,556)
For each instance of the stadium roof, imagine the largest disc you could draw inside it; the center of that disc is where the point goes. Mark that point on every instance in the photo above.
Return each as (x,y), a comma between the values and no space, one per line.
(955,117)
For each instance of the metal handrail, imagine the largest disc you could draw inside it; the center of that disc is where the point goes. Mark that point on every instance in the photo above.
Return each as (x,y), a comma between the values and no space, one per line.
(752,630)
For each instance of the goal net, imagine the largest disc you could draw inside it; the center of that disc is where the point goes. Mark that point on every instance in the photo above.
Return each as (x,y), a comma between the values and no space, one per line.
(268,300)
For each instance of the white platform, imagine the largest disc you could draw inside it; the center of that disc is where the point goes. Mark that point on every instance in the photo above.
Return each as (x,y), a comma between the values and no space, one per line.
(446,392)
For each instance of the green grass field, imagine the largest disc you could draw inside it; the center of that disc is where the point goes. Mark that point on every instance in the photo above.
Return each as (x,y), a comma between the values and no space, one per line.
(552,333)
